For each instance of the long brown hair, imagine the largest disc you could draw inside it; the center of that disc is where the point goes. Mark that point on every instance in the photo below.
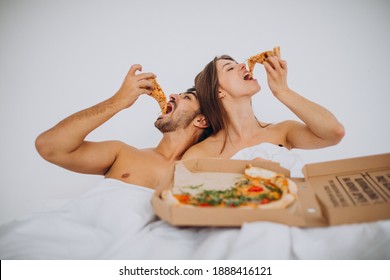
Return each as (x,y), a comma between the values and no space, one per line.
(206,85)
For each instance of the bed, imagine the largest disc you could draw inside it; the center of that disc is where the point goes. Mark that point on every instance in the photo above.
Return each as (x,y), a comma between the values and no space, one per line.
(115,220)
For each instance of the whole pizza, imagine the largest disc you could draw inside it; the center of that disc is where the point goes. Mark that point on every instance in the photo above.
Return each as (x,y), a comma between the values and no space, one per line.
(256,188)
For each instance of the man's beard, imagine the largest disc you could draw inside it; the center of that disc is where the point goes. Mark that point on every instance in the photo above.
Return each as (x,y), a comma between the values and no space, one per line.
(181,121)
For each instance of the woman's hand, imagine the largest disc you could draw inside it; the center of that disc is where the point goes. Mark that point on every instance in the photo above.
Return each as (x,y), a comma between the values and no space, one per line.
(276,69)
(320,127)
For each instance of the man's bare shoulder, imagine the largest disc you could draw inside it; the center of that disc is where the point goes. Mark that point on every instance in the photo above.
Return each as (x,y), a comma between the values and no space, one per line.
(127,149)
(143,167)
(115,146)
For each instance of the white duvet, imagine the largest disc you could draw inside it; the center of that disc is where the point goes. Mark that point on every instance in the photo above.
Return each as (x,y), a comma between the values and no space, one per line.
(116,221)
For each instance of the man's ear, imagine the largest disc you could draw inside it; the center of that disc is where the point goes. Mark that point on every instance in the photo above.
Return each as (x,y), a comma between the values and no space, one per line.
(201,122)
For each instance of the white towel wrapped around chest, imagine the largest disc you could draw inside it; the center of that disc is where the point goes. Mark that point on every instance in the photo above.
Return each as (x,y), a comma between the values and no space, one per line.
(268,151)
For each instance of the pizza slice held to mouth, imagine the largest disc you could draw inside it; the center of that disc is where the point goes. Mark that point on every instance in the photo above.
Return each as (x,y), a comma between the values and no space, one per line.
(159,95)
(261,57)
(258,188)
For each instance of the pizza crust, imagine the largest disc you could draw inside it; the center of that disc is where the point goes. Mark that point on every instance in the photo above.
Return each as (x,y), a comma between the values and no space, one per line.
(170,199)
(257,172)
(158,94)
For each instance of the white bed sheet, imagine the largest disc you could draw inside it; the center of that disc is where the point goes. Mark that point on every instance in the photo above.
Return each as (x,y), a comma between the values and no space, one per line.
(116,221)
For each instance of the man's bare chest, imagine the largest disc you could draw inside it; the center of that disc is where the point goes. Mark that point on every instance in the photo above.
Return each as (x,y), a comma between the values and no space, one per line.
(141,169)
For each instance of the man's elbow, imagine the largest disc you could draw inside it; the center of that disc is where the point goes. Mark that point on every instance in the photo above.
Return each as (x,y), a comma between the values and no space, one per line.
(44,147)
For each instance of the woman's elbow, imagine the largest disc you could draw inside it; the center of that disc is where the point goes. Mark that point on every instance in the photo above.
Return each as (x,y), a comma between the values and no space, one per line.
(338,134)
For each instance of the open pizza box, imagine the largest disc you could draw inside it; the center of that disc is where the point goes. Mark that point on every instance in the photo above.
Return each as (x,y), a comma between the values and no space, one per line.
(337,192)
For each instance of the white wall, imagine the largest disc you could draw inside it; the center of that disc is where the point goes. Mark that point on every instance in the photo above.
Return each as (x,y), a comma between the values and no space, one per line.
(58,57)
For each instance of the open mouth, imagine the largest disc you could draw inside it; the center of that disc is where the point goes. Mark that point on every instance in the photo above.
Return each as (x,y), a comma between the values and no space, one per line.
(170,107)
(248,77)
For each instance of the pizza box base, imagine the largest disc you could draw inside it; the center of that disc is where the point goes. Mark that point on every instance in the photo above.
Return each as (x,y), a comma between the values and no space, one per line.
(337,192)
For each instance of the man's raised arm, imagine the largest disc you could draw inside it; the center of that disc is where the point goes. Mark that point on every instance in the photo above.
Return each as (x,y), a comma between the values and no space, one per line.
(65,145)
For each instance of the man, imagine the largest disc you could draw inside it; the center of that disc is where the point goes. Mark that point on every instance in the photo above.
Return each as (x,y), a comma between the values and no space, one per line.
(182,126)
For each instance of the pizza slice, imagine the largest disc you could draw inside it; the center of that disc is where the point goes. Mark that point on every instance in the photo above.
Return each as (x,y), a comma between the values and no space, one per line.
(158,94)
(256,188)
(261,57)
(280,190)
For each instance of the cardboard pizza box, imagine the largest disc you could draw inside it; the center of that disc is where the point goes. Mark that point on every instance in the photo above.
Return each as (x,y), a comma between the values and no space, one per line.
(352,190)
(337,192)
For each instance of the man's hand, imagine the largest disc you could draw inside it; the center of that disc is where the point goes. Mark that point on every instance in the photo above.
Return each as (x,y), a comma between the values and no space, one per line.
(134,85)
(276,69)
(65,145)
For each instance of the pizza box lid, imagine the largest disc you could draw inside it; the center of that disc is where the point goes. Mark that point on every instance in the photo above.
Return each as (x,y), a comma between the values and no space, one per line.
(352,190)
(304,211)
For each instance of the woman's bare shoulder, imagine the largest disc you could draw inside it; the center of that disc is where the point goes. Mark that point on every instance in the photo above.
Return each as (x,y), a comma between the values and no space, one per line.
(202,149)
(292,125)
(284,125)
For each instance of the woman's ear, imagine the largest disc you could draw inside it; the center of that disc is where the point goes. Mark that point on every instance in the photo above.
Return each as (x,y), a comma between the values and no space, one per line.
(221,94)
(201,122)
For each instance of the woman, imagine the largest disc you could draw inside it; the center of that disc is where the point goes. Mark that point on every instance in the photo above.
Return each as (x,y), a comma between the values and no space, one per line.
(225,90)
